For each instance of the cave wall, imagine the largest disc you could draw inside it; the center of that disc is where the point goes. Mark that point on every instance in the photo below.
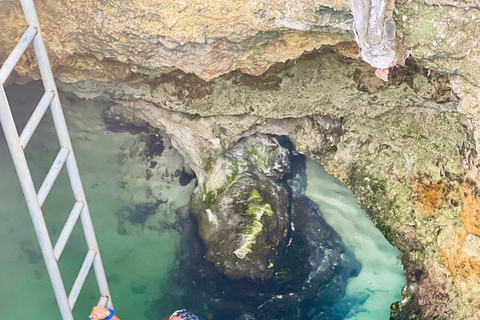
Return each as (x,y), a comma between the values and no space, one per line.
(108,40)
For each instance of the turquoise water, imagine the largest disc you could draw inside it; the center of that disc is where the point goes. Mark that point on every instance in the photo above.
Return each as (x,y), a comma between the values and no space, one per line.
(113,173)
(381,277)
(139,259)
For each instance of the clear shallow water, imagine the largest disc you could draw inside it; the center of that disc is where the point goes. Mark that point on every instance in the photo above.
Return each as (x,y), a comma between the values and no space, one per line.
(137,264)
(381,277)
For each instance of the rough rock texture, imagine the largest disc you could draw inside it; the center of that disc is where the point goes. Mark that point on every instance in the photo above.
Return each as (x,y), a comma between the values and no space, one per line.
(471,208)
(242,211)
(396,145)
(443,35)
(247,105)
(107,40)
(305,279)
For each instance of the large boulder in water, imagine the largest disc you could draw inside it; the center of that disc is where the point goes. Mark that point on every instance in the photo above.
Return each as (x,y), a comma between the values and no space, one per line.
(242,211)
(245,227)
(262,249)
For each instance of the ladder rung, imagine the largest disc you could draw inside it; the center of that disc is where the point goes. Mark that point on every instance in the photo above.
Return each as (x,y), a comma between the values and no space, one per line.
(17,52)
(52,175)
(82,275)
(67,229)
(36,117)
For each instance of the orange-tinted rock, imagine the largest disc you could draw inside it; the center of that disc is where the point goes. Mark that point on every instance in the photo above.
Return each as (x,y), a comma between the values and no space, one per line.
(429,196)
(471,207)
(461,256)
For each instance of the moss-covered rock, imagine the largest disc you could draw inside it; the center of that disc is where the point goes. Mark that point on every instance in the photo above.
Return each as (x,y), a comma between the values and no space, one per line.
(243,214)
(253,227)
(245,226)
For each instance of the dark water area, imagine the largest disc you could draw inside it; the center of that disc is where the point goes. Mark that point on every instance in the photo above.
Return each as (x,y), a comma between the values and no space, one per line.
(310,280)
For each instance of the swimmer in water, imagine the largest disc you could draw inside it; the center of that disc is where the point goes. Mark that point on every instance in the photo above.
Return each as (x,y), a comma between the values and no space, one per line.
(99,312)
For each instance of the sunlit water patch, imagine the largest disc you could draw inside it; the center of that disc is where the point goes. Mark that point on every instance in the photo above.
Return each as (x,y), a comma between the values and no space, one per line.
(381,277)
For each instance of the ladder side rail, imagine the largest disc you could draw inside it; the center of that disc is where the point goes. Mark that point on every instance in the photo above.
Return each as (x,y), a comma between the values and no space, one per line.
(44,66)
(97,262)
(28,188)
(76,183)
(64,138)
(17,53)
(102,302)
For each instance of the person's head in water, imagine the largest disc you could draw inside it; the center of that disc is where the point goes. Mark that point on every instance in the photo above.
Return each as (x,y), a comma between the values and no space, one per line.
(183,314)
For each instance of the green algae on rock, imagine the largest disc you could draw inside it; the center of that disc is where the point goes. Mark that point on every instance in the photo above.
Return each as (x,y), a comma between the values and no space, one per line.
(256,209)
(381,139)
(371,135)
(374,136)
(243,216)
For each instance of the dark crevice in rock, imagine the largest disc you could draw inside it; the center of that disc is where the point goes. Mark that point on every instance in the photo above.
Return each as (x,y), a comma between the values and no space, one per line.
(154,143)
(186,176)
(118,123)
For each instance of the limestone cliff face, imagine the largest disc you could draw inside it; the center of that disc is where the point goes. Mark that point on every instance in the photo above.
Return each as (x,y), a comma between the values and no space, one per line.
(108,40)
(443,35)
(208,74)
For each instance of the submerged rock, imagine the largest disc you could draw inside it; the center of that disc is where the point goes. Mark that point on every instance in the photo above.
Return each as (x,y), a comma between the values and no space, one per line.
(245,227)
(262,250)
(244,222)
(153,59)
(329,262)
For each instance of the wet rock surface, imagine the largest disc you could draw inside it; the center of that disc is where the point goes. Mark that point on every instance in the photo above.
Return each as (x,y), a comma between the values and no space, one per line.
(152,62)
(245,227)
(243,214)
(156,164)
(308,272)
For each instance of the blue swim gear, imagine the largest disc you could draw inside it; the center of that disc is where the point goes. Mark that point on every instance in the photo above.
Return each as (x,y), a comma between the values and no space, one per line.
(110,316)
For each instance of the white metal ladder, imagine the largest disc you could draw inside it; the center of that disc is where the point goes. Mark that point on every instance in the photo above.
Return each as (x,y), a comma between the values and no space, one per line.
(35,200)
